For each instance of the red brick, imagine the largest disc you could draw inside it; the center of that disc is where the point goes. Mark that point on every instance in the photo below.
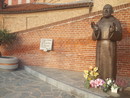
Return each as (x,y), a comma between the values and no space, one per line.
(73,48)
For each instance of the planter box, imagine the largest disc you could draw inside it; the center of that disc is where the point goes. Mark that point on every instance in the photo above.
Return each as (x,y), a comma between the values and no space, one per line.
(8,63)
(114,90)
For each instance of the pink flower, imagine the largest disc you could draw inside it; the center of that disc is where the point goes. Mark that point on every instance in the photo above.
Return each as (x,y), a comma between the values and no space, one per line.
(99,82)
(96,83)
(93,84)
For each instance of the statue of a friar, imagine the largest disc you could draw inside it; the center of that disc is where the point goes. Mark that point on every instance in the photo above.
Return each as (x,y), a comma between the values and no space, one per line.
(107,31)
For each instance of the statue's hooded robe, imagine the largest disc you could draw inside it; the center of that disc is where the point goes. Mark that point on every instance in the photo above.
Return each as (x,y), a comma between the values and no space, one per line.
(106,46)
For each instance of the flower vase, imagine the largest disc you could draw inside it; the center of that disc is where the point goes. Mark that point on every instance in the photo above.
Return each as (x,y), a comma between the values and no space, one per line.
(114,90)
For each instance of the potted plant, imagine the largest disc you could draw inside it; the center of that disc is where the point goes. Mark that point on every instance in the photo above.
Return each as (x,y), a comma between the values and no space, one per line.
(114,88)
(7,62)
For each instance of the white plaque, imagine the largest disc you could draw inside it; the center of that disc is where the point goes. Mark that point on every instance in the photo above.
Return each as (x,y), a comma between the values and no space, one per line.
(46,44)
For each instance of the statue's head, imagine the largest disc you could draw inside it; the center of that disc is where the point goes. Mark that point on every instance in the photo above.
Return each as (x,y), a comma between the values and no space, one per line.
(107,10)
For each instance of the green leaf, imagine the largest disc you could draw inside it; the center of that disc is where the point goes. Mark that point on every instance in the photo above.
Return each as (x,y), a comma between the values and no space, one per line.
(6,38)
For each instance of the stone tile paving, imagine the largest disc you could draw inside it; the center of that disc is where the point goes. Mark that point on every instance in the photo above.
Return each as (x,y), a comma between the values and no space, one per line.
(65,76)
(20,84)
(74,79)
(71,78)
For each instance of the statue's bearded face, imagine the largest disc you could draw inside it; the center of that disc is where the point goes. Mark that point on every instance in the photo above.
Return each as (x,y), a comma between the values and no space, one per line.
(107,11)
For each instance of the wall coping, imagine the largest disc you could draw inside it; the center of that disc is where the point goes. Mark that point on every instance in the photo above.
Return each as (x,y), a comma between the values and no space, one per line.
(79,18)
(36,7)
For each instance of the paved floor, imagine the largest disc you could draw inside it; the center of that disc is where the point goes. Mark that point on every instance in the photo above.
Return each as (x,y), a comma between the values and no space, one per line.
(72,81)
(20,84)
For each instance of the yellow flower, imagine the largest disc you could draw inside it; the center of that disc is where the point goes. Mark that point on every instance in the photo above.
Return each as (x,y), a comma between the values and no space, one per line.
(95,69)
(86,71)
(85,76)
(91,73)
(96,74)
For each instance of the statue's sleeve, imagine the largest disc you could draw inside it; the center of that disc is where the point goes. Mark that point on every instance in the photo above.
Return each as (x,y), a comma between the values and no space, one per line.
(117,35)
(96,34)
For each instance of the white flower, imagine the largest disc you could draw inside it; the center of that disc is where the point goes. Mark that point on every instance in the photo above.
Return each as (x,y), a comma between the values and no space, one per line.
(109,82)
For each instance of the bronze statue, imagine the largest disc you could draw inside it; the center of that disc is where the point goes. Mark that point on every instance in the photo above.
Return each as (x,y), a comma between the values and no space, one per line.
(107,31)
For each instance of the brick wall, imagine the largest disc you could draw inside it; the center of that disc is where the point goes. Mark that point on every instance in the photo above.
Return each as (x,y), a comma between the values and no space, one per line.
(14,2)
(73,48)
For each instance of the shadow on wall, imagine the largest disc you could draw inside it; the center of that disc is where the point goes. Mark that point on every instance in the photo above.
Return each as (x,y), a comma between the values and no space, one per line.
(73,47)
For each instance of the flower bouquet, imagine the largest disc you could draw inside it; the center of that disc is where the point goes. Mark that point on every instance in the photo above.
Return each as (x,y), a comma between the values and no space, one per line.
(97,83)
(110,85)
(107,85)
(92,80)
(89,75)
